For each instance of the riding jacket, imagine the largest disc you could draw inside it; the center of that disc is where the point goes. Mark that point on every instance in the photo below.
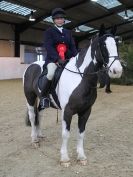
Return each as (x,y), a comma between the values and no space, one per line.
(52,37)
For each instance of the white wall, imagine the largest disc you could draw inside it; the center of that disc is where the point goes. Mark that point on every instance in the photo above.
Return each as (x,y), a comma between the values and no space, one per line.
(11,68)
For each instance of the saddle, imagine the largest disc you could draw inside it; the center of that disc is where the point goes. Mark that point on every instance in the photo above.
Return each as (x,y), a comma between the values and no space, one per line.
(54,81)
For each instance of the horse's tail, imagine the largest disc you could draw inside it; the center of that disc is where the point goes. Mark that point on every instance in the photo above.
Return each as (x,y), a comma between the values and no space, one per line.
(27,120)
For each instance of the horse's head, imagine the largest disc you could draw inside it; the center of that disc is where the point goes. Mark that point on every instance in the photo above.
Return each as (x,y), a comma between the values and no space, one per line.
(108,52)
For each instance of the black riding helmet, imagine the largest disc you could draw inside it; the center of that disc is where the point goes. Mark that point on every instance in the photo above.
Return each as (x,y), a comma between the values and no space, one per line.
(58,13)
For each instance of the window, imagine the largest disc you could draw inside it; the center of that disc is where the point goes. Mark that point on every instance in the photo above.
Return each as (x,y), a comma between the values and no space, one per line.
(109,3)
(14,8)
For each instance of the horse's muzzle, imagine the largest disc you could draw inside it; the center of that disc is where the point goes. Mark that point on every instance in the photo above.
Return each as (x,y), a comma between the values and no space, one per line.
(115,70)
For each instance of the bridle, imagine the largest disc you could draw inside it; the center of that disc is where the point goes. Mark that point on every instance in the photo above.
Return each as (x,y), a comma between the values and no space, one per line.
(105,69)
(103,60)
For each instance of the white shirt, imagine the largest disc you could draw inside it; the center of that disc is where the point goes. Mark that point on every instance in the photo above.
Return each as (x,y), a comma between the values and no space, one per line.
(59,28)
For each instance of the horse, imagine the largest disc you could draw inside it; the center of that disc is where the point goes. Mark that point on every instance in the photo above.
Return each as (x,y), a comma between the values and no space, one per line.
(76,89)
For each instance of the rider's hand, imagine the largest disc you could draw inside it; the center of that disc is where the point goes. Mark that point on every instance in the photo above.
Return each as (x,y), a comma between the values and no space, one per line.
(61,62)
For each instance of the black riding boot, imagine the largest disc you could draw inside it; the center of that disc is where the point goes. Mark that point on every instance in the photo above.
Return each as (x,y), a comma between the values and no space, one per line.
(44,100)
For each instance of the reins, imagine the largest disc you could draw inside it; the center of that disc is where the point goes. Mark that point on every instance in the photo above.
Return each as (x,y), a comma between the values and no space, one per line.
(102,70)
(105,69)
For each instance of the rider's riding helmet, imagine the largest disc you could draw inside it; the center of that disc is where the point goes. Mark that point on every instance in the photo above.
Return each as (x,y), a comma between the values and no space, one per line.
(58,13)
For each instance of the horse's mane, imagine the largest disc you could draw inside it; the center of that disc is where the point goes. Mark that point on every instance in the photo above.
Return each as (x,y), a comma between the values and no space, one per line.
(83,52)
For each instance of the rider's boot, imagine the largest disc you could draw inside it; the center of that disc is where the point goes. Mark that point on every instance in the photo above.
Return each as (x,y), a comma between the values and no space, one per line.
(45,100)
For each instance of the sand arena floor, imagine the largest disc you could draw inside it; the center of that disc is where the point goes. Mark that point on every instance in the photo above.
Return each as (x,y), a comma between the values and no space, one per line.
(108,140)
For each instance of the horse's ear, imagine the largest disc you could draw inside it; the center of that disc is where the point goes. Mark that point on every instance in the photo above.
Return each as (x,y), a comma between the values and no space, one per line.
(102,30)
(113,30)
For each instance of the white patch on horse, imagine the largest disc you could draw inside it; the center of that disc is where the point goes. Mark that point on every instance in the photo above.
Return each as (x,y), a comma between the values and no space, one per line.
(32,120)
(80,149)
(94,61)
(24,74)
(115,69)
(111,46)
(87,60)
(70,78)
(65,137)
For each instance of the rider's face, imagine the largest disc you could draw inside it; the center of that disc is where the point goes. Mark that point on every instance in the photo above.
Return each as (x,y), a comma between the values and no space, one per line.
(59,21)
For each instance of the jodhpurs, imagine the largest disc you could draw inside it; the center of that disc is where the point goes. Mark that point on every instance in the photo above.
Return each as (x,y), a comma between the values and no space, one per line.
(51,70)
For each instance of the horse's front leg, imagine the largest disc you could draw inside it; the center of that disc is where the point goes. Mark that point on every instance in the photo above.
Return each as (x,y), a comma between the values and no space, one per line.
(82,119)
(66,121)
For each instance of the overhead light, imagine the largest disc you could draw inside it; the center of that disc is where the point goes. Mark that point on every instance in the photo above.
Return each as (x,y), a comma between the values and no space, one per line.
(94,0)
(31,17)
(77,30)
(126,17)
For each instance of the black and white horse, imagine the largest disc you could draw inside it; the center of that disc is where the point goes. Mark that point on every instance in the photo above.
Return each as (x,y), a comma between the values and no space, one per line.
(76,89)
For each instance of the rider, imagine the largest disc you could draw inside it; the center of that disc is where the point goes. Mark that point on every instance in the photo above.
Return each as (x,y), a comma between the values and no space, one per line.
(53,37)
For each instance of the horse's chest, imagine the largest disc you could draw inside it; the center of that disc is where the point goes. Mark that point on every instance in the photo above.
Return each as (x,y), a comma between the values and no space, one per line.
(67,84)
(82,98)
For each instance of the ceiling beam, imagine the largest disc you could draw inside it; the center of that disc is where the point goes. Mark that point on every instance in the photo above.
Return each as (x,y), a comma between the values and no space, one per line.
(128,38)
(8,23)
(88,35)
(126,32)
(25,26)
(110,13)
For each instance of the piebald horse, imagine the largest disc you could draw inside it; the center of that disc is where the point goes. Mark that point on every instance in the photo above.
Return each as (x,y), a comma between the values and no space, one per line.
(76,89)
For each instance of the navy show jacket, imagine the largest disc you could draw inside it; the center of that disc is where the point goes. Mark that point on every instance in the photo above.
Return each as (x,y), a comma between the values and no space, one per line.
(52,38)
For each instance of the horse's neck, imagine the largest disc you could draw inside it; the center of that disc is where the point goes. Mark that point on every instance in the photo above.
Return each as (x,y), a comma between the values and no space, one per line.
(89,67)
(81,61)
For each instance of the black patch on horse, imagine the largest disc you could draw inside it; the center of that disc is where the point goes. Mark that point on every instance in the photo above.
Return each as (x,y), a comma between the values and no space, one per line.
(94,47)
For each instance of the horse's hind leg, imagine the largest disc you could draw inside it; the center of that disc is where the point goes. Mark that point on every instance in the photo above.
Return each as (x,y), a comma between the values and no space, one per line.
(82,119)
(66,121)
(32,118)
(38,126)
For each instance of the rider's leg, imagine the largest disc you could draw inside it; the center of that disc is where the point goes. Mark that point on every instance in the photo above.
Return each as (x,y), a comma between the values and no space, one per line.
(44,101)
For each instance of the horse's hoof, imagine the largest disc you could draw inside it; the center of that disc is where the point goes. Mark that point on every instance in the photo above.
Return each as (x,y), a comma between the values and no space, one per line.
(82,162)
(65,164)
(41,137)
(36,144)
(108,91)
